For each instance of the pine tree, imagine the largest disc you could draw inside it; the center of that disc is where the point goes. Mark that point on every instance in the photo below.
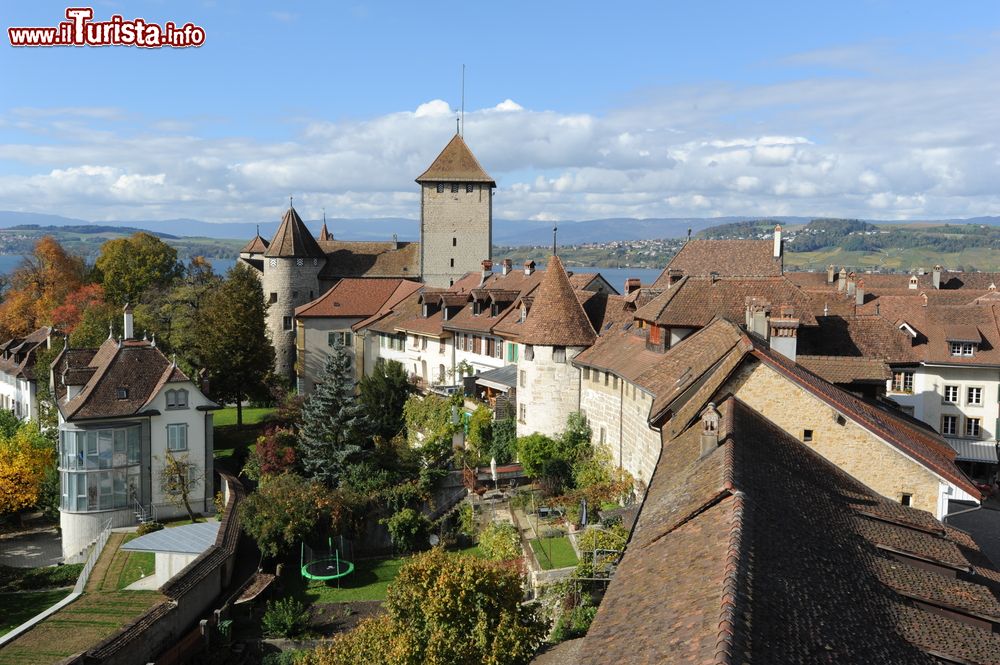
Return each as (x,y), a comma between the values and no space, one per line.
(233,340)
(383,394)
(333,422)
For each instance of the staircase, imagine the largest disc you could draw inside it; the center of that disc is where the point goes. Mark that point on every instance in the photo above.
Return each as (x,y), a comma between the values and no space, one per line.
(142,515)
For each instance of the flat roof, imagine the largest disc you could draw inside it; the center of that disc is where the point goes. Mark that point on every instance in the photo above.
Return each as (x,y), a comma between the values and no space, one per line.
(186,539)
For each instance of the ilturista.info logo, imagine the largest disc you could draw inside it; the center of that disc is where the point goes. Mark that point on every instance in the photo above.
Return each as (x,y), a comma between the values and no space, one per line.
(81,30)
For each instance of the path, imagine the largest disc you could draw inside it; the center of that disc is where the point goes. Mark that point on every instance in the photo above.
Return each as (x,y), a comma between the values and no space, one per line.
(28,550)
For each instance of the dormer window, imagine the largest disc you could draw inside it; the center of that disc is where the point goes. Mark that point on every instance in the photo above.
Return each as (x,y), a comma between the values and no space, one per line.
(966,349)
(121,393)
(177,399)
(524,314)
(477,307)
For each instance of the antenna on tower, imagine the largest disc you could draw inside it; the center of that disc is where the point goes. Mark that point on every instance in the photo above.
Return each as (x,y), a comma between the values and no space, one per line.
(462,125)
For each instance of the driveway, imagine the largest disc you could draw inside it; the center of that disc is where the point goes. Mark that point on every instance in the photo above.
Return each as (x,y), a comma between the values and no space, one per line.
(40,547)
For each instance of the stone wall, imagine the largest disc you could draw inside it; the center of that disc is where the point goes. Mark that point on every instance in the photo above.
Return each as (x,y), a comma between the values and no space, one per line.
(619,411)
(291,285)
(456,233)
(874,462)
(547,391)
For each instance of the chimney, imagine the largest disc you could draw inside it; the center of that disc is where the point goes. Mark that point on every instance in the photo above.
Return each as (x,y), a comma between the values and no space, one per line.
(842,279)
(632,284)
(914,282)
(487,270)
(859,293)
(936,277)
(777,241)
(784,333)
(506,265)
(756,316)
(529,267)
(395,241)
(710,421)
(829,274)
(129,334)
(850,285)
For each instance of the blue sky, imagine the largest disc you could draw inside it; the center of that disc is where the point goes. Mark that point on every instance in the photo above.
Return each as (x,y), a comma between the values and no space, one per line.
(579,109)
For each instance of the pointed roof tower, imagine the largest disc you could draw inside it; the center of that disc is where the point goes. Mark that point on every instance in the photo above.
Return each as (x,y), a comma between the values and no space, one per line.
(556,317)
(256,246)
(456,163)
(324,235)
(293,239)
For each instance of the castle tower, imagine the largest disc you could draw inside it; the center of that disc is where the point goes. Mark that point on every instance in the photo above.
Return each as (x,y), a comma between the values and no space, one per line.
(456,215)
(554,332)
(292,262)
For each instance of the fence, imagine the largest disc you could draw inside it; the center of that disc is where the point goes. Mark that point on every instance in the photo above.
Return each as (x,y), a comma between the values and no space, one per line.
(95,554)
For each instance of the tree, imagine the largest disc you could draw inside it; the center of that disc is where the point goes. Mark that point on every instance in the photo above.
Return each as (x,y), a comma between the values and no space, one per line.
(542,458)
(444,609)
(288,509)
(179,477)
(129,267)
(499,541)
(408,530)
(333,422)
(67,316)
(383,394)
(38,286)
(273,455)
(25,459)
(233,342)
(480,437)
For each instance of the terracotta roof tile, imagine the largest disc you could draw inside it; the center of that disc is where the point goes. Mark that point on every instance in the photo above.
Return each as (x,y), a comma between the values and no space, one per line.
(727,258)
(556,317)
(456,163)
(843,370)
(353,298)
(256,246)
(293,239)
(348,258)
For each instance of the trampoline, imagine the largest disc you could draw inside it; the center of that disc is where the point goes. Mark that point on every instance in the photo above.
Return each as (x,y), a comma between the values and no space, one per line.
(325,567)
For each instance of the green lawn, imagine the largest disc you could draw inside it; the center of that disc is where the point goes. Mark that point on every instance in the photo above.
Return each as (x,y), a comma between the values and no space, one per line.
(471,551)
(227,416)
(554,552)
(16,608)
(368,582)
(136,565)
(34,579)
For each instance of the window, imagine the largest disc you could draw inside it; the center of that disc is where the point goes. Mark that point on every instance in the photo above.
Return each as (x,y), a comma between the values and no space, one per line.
(469,187)
(440,187)
(468,343)
(529,352)
(177,399)
(902,382)
(286,322)
(607,378)
(586,374)
(559,354)
(295,295)
(441,373)
(341,338)
(604,436)
(454,188)
(454,241)
(973,427)
(177,438)
(951,394)
(807,435)
(273,298)
(452,262)
(949,425)
(498,350)
(121,393)
(477,344)
(423,343)
(905,499)
(522,411)
(974,396)
(512,353)
(614,382)
(441,345)
(962,348)
(523,379)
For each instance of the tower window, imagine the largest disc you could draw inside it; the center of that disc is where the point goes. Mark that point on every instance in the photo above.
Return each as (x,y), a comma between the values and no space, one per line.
(454,188)
(454,241)
(274,298)
(906,499)
(286,323)
(440,187)
(469,188)
(452,263)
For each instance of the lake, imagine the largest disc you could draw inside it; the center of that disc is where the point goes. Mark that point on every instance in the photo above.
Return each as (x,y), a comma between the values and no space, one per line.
(616,276)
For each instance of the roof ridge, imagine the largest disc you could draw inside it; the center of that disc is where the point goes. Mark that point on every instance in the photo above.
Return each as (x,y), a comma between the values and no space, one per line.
(728,614)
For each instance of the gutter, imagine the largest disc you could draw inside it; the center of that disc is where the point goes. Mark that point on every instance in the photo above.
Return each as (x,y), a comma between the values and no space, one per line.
(963,512)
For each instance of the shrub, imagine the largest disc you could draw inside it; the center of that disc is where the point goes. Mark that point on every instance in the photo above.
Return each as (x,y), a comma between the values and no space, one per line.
(408,529)
(503,445)
(285,617)
(499,541)
(481,433)
(148,527)
(614,538)
(283,658)
(467,520)
(573,623)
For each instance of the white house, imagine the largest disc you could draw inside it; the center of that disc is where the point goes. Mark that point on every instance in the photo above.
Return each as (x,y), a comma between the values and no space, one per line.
(123,408)
(18,388)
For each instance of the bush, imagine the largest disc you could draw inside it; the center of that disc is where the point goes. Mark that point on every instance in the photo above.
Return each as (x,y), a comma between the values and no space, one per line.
(286,617)
(33,579)
(408,529)
(573,623)
(499,541)
(481,433)
(503,445)
(614,538)
(467,520)
(283,658)
(148,527)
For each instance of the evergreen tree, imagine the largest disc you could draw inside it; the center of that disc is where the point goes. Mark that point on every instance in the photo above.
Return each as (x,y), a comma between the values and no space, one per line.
(233,340)
(383,394)
(333,422)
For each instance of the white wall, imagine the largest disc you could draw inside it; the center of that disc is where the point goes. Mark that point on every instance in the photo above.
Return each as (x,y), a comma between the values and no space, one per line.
(547,391)
(196,453)
(927,397)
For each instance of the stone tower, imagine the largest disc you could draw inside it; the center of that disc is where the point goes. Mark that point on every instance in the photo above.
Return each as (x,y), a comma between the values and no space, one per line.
(456,215)
(554,332)
(292,263)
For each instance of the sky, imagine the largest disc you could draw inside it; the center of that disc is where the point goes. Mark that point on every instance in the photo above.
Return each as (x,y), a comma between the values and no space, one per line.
(579,110)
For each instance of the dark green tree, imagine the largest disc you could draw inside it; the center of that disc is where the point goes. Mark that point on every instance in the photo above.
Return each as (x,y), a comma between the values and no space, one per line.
(128,267)
(383,394)
(333,422)
(233,342)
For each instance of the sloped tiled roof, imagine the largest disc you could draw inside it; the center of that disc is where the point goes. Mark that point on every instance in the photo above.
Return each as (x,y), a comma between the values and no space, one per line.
(864,335)
(293,239)
(354,297)
(17,356)
(727,258)
(556,317)
(843,370)
(256,246)
(456,163)
(347,258)
(763,552)
(324,234)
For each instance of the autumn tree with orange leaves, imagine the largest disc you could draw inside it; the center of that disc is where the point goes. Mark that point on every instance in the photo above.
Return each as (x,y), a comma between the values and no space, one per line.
(40,284)
(25,458)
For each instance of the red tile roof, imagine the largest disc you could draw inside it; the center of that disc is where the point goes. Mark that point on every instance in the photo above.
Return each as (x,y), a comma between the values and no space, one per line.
(727,258)
(354,297)
(456,163)
(349,258)
(256,246)
(293,239)
(556,317)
